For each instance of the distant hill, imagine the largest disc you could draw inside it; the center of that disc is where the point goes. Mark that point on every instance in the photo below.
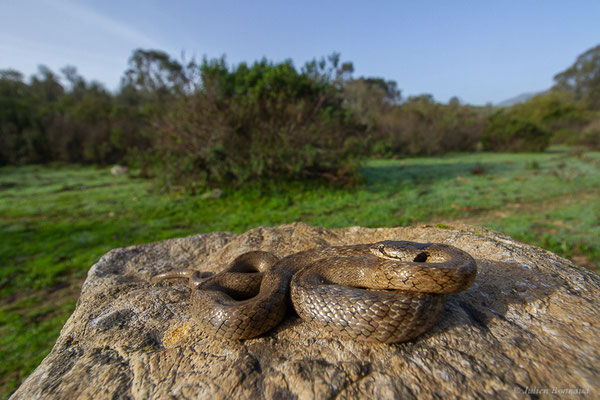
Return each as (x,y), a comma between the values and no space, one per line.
(522,98)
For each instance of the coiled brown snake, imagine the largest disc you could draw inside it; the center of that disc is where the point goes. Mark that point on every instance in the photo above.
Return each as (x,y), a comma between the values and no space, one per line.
(387,292)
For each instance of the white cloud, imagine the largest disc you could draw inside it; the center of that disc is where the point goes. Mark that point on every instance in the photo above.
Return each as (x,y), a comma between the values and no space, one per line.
(109,25)
(62,32)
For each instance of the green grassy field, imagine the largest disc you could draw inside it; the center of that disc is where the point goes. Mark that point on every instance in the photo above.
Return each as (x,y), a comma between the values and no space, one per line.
(55,222)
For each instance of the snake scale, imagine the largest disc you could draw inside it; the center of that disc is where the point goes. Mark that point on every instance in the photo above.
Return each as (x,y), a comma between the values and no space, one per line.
(386,292)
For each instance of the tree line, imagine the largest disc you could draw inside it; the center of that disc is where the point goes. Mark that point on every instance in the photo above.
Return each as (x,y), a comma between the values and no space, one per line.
(207,123)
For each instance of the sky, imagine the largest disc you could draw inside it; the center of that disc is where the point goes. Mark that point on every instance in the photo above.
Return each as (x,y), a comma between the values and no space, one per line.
(479,51)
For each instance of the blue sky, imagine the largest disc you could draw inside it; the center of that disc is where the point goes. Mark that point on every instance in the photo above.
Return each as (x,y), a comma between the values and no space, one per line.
(480,51)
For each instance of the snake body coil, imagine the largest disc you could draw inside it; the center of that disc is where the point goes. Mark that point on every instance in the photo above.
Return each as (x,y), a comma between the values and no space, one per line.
(386,292)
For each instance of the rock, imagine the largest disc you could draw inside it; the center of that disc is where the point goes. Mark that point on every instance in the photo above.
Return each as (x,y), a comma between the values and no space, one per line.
(212,194)
(118,170)
(528,326)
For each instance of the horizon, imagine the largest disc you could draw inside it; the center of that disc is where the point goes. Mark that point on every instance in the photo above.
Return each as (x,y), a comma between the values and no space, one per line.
(479,53)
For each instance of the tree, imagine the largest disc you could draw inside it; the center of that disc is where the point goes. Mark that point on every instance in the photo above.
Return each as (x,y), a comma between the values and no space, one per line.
(155,72)
(72,76)
(15,116)
(329,70)
(583,78)
(371,99)
(46,85)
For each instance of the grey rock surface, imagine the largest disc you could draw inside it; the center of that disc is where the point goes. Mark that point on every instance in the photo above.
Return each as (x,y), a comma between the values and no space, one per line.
(527,328)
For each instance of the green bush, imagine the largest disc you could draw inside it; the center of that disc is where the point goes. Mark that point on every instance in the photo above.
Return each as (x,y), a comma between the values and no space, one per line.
(507,132)
(590,136)
(381,148)
(259,123)
(418,126)
(556,111)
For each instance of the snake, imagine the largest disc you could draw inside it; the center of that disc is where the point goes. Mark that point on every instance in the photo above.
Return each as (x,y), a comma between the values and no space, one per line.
(383,292)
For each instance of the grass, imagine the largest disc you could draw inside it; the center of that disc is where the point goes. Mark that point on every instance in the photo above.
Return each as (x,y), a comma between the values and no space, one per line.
(55,222)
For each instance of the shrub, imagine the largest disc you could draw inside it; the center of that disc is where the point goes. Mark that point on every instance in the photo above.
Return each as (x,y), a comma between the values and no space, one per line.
(507,132)
(258,123)
(420,126)
(590,136)
(556,111)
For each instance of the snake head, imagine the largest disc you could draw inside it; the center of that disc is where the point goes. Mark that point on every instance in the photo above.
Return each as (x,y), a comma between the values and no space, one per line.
(400,250)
